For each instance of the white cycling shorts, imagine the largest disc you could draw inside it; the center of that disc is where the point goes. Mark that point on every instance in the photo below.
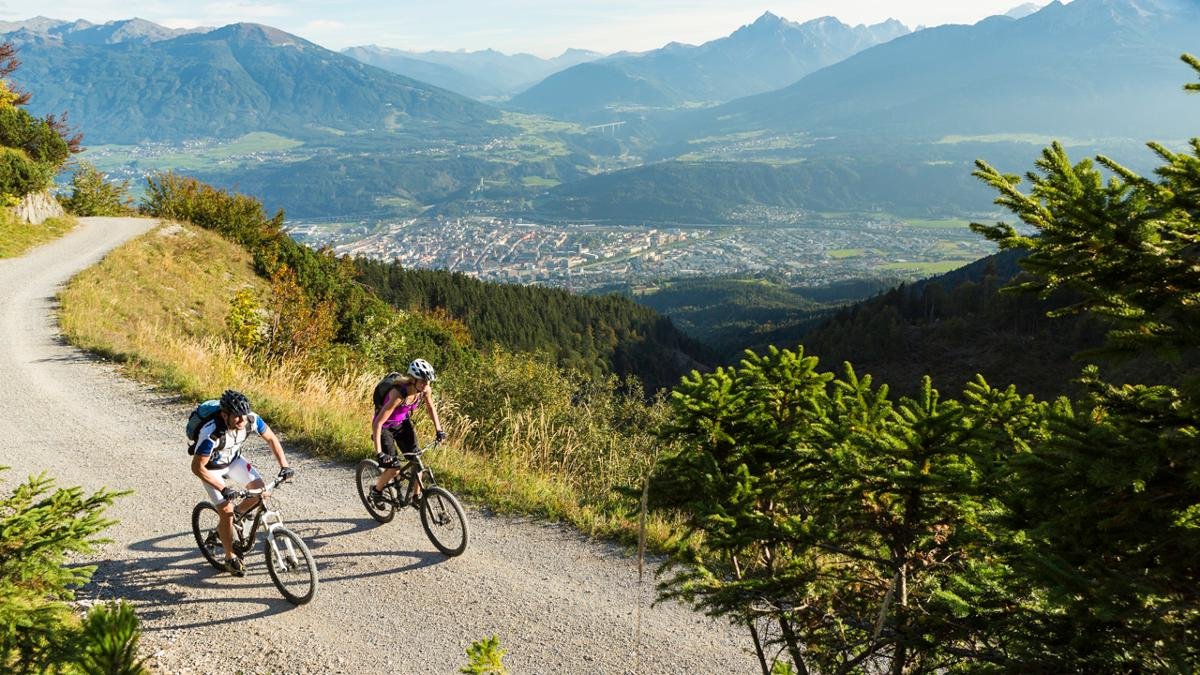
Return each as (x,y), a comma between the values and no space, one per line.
(239,471)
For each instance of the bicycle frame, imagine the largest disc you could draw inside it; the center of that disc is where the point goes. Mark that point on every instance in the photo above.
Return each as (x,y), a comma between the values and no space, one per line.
(415,471)
(262,516)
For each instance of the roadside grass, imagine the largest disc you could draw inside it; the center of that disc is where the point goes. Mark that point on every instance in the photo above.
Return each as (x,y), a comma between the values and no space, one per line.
(158,305)
(17,236)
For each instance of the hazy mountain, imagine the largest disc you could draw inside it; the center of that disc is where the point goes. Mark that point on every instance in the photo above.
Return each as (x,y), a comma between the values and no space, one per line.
(486,74)
(767,54)
(1090,69)
(1022,11)
(221,83)
(43,30)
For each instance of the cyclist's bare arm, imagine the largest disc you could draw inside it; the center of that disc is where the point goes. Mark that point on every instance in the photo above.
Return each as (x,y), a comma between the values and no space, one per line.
(432,410)
(276,447)
(210,478)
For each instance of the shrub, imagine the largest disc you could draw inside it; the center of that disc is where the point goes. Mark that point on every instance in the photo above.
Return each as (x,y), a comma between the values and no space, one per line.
(39,526)
(93,195)
(19,175)
(37,137)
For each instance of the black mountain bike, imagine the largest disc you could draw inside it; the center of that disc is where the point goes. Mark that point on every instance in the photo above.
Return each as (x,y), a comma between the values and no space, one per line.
(289,563)
(441,514)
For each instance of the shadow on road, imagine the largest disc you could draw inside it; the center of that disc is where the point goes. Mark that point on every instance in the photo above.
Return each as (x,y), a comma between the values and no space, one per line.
(172,580)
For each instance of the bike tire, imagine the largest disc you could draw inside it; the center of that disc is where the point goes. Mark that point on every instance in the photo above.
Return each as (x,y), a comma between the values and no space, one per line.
(292,570)
(444,521)
(205,519)
(365,475)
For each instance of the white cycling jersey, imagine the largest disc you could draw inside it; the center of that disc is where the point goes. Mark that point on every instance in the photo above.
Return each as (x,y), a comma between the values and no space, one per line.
(222,445)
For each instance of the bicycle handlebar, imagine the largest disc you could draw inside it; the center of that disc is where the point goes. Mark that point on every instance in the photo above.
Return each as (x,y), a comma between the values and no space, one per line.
(258,491)
(420,451)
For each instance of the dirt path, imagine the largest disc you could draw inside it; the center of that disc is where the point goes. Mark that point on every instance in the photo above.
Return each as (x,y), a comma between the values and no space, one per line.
(388,602)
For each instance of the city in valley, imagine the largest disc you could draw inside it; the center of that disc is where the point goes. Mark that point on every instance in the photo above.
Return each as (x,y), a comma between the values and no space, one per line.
(587,256)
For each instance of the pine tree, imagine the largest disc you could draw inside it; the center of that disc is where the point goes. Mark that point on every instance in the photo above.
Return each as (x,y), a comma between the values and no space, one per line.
(1106,506)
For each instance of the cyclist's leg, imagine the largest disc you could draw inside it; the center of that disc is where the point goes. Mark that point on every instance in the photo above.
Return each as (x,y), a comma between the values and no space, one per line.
(243,472)
(407,440)
(390,449)
(225,511)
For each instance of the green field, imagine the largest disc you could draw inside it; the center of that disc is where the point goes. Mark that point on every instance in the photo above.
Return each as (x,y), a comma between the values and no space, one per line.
(940,224)
(208,157)
(1032,139)
(842,253)
(538,181)
(925,268)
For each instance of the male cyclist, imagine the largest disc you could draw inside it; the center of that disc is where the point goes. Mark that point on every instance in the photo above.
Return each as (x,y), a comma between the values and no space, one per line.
(218,457)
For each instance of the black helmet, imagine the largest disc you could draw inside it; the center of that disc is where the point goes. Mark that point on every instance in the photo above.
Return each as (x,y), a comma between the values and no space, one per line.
(235,403)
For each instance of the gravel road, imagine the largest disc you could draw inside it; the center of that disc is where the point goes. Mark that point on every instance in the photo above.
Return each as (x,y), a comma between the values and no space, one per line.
(388,601)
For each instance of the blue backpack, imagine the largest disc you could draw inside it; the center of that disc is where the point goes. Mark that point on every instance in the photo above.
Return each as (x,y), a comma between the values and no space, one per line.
(203,414)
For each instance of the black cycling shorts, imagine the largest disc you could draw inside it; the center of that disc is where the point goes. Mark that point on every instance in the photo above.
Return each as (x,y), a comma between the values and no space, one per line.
(396,440)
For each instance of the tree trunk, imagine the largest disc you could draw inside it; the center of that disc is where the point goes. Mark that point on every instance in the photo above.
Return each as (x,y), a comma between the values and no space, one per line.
(793,645)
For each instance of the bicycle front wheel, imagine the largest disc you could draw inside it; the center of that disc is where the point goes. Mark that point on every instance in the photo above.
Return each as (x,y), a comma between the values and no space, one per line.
(290,565)
(444,522)
(365,475)
(205,520)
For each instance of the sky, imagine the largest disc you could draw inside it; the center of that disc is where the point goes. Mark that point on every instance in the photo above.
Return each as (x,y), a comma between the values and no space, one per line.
(542,27)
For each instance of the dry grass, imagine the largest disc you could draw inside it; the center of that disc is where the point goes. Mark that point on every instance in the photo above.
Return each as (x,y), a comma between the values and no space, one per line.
(158,304)
(17,236)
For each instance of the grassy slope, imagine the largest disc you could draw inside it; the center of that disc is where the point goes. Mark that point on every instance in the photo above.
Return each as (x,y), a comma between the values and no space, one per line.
(158,304)
(17,237)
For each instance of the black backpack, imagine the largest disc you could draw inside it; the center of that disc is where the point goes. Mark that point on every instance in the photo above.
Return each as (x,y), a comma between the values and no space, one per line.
(381,390)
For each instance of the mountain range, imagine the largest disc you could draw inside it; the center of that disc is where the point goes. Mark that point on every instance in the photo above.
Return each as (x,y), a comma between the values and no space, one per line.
(130,82)
(1091,69)
(486,75)
(770,53)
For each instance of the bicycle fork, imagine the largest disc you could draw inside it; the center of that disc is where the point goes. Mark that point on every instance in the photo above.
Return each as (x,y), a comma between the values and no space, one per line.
(284,557)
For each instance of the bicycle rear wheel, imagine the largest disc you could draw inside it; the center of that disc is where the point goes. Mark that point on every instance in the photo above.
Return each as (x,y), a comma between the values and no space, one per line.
(444,522)
(290,565)
(205,519)
(365,475)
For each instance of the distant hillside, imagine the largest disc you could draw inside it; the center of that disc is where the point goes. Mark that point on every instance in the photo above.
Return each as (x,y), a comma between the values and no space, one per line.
(1088,69)
(767,54)
(958,324)
(223,83)
(486,74)
(714,192)
(594,335)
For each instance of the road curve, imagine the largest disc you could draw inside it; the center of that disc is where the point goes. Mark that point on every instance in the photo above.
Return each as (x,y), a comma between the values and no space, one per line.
(388,602)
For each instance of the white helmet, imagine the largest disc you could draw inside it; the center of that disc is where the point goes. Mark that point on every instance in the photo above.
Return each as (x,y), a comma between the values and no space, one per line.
(421,369)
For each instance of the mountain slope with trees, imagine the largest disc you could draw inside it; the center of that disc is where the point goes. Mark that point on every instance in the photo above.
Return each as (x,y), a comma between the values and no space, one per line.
(227,82)
(594,335)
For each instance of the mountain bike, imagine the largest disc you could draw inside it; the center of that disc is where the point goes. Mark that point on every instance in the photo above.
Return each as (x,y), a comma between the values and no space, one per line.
(289,562)
(441,515)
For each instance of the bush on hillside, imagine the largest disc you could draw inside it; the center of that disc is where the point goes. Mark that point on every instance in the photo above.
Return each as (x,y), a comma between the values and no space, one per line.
(92,194)
(37,137)
(19,175)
